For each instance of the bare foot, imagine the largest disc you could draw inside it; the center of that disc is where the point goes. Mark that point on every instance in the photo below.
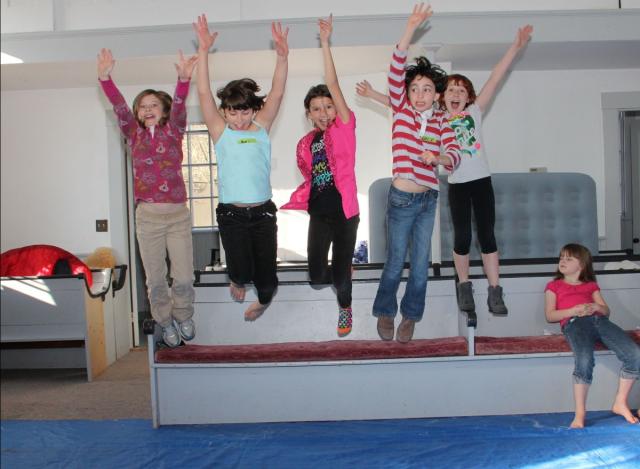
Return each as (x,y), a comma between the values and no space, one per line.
(578,422)
(237,292)
(254,311)
(623,409)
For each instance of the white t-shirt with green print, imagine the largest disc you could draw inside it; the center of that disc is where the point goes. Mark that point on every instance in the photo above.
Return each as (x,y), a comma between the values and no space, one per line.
(467,127)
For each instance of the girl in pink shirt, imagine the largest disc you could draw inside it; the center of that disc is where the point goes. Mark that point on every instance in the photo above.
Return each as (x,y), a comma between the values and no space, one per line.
(154,130)
(326,158)
(574,300)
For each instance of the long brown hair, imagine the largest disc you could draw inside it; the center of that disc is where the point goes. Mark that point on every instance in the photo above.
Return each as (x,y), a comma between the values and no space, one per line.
(584,258)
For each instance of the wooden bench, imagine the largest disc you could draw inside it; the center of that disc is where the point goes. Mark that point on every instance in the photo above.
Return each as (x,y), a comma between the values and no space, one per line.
(56,322)
(288,365)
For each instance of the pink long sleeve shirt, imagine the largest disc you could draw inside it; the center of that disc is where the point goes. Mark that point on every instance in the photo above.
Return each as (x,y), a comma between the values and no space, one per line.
(157,156)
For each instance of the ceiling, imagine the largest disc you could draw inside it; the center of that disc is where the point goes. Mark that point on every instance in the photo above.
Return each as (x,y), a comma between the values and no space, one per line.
(561,40)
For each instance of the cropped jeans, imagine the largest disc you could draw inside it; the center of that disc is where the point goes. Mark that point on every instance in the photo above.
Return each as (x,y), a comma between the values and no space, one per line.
(410,218)
(582,334)
(249,237)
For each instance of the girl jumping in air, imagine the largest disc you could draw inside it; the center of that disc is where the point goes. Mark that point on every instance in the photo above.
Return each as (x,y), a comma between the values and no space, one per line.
(326,158)
(154,131)
(246,215)
(421,139)
(470,184)
(574,300)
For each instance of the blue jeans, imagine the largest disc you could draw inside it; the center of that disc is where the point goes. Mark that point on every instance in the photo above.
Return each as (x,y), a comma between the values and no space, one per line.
(410,218)
(582,334)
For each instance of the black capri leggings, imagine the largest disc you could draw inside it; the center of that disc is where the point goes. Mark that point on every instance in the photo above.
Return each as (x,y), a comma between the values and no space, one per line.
(462,197)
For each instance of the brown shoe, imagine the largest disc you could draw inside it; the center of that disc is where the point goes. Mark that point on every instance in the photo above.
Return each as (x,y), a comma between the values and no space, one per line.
(405,330)
(385,327)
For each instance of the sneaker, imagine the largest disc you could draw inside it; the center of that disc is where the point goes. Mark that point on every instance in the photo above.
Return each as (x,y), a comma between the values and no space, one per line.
(385,327)
(171,336)
(464,292)
(344,321)
(187,329)
(495,301)
(405,330)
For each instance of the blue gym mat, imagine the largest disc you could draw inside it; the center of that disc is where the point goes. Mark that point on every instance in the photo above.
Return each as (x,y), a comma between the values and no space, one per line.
(514,441)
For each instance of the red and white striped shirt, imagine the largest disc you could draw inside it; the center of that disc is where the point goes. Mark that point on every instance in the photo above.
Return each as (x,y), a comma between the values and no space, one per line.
(407,143)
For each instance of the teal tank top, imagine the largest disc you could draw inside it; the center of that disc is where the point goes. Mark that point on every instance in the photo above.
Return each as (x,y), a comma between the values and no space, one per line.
(244,166)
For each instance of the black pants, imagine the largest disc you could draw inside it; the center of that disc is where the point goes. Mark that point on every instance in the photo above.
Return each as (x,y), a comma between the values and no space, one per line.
(324,231)
(250,241)
(479,195)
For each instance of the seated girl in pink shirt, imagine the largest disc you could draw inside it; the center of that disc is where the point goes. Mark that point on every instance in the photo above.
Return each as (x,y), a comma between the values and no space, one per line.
(326,158)
(574,300)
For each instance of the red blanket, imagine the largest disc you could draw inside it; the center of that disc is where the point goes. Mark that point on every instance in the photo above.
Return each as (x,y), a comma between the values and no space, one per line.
(39,260)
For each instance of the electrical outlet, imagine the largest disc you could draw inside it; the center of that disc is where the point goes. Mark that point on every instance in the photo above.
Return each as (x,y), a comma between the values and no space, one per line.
(102,225)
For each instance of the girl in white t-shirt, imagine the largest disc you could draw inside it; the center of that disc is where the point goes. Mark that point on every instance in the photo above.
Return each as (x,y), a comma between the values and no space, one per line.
(470,183)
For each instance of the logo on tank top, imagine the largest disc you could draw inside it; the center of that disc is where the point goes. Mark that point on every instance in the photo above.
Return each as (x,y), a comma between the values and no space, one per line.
(247,140)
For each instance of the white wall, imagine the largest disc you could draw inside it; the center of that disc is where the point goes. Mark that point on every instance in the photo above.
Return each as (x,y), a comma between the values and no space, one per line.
(554,119)
(55,171)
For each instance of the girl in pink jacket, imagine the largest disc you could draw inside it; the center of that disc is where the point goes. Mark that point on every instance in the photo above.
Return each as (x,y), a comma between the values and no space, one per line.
(326,158)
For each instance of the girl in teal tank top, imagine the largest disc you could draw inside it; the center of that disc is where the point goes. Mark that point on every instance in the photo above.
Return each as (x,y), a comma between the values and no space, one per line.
(246,216)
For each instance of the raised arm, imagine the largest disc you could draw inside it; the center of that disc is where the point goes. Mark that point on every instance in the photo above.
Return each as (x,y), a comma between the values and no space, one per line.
(364,89)
(184,68)
(126,120)
(420,14)
(330,75)
(269,111)
(499,71)
(213,119)
(106,62)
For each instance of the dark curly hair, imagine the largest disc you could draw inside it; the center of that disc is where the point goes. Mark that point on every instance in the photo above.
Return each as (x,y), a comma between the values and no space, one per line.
(241,95)
(424,68)
(165,99)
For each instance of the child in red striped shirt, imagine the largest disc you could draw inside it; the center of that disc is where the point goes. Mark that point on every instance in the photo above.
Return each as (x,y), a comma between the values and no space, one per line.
(422,139)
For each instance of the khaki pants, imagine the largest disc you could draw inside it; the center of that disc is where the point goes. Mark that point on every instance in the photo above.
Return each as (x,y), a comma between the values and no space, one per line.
(159,234)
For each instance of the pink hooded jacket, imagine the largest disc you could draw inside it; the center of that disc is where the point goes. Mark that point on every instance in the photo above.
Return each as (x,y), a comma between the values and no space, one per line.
(340,144)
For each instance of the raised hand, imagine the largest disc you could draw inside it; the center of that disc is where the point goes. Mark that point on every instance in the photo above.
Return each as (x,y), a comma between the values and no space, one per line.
(106,63)
(205,38)
(185,67)
(279,37)
(523,36)
(326,28)
(420,14)
(364,88)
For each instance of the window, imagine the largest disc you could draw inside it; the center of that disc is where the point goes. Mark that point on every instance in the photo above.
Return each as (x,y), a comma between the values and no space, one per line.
(200,173)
